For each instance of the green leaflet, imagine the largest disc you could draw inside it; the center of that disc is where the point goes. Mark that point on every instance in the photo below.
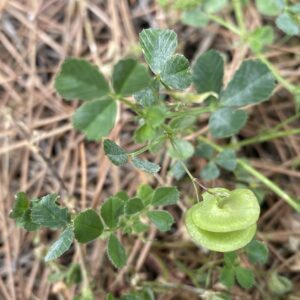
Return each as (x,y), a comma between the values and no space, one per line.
(129,77)
(161,219)
(87,226)
(116,252)
(226,122)
(95,118)
(208,72)
(62,245)
(158,46)
(47,213)
(78,79)
(116,154)
(251,84)
(176,74)
(145,165)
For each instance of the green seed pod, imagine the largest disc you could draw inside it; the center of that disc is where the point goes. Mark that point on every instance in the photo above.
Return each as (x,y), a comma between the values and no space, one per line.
(225,220)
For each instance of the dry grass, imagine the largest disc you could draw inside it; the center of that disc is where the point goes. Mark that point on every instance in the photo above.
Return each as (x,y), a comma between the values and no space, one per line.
(40,153)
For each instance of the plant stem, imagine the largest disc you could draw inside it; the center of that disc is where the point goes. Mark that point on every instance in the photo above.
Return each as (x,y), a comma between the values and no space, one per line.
(224,23)
(239,16)
(265,137)
(258,175)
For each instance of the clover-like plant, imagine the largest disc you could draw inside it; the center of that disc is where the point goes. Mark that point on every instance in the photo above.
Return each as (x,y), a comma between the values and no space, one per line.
(165,114)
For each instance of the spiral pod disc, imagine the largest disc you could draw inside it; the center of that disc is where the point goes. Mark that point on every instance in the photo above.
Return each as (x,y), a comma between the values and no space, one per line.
(225,220)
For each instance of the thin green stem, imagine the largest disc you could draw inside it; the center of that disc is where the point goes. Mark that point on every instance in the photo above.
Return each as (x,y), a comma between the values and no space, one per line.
(265,137)
(258,175)
(239,16)
(224,23)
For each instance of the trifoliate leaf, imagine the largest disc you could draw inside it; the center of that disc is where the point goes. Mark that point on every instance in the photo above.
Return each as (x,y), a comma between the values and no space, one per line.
(145,165)
(181,149)
(227,159)
(139,227)
(21,204)
(129,77)
(47,213)
(226,122)
(111,211)
(251,84)
(95,118)
(227,276)
(257,252)
(87,226)
(165,196)
(288,24)
(176,74)
(62,245)
(162,220)
(116,252)
(158,46)
(78,79)
(208,72)
(244,277)
(145,192)
(133,206)
(210,171)
(115,153)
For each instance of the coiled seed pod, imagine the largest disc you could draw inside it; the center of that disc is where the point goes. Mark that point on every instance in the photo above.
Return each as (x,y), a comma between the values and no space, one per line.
(225,220)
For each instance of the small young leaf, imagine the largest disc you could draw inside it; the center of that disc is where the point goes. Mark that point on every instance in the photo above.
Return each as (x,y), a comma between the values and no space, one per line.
(194,17)
(230,258)
(145,165)
(133,206)
(144,133)
(62,245)
(139,227)
(145,192)
(96,118)
(155,115)
(288,24)
(87,226)
(252,83)
(227,276)
(116,154)
(129,77)
(148,96)
(46,213)
(161,219)
(257,252)
(78,79)
(116,252)
(226,122)
(261,37)
(176,73)
(244,277)
(111,211)
(204,150)
(183,122)
(279,284)
(165,196)
(227,159)
(21,204)
(270,7)
(158,46)
(210,171)
(181,149)
(122,196)
(208,72)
